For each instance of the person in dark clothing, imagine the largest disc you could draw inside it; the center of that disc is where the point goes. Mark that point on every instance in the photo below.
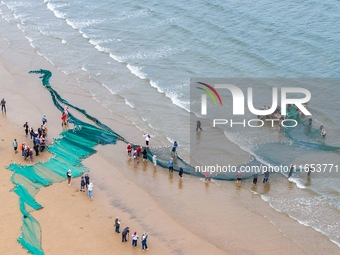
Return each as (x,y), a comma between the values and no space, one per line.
(266,176)
(180,173)
(198,125)
(26,128)
(3,105)
(87,180)
(125,233)
(145,154)
(82,184)
(69,177)
(117,224)
(255,176)
(310,120)
(36,148)
(291,171)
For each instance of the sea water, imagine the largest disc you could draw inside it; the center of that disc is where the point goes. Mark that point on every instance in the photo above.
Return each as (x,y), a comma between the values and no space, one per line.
(137,58)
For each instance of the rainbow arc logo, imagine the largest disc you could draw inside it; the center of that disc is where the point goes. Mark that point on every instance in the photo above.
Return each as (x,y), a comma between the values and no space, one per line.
(211,95)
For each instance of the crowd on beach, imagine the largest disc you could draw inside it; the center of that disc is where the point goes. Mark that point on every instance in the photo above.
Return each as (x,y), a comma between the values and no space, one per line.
(135,237)
(38,137)
(140,150)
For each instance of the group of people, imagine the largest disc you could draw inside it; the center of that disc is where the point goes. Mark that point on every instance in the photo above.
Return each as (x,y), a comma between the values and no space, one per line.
(38,137)
(84,183)
(135,237)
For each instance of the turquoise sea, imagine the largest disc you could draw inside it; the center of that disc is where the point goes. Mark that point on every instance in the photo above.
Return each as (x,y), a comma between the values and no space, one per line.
(136,58)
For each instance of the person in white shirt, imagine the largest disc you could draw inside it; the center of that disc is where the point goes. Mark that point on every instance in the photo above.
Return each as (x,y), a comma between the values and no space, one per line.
(89,189)
(147,138)
(134,239)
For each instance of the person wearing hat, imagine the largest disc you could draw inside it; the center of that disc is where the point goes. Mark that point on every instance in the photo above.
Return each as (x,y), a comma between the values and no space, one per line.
(134,239)
(125,233)
(3,105)
(117,224)
(69,177)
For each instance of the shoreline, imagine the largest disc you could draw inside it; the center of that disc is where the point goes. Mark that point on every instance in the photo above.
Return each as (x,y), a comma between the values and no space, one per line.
(182,216)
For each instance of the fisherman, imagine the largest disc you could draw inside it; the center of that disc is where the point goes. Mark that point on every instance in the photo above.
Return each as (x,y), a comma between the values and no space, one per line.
(198,125)
(291,170)
(255,176)
(266,176)
(310,121)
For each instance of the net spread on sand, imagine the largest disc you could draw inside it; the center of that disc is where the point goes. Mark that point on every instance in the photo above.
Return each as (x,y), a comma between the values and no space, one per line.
(78,143)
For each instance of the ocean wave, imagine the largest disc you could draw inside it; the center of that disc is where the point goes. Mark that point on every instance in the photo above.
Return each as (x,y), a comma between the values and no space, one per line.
(58,14)
(154,54)
(136,71)
(129,103)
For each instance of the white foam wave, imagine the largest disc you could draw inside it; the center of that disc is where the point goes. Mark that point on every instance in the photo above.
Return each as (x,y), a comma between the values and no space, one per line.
(154,54)
(64,41)
(119,59)
(136,14)
(83,23)
(136,71)
(297,181)
(154,84)
(58,14)
(84,69)
(129,103)
(102,49)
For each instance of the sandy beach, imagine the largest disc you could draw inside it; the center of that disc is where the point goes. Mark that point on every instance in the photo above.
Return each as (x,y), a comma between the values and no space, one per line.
(182,216)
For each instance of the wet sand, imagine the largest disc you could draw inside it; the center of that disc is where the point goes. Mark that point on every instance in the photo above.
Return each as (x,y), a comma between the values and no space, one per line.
(184,216)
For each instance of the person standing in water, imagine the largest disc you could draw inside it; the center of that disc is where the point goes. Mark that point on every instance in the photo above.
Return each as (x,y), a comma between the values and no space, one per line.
(171,165)
(154,160)
(266,176)
(174,147)
(147,139)
(180,173)
(239,178)
(198,125)
(291,170)
(323,133)
(207,176)
(255,176)
(145,154)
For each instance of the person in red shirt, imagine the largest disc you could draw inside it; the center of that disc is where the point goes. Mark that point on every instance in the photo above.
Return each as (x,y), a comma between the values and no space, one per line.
(63,118)
(129,149)
(138,150)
